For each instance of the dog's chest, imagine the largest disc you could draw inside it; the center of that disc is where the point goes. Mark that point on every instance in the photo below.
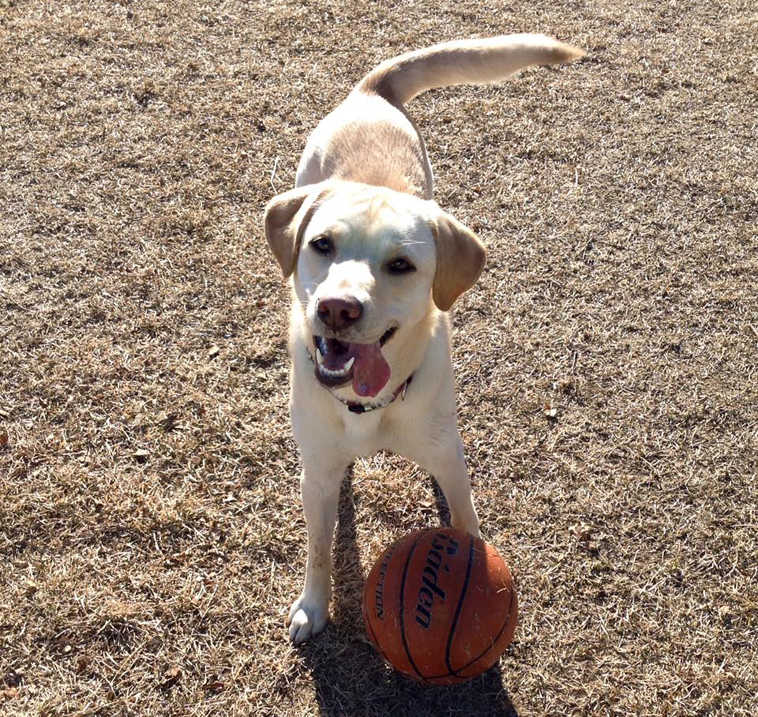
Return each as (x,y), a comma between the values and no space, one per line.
(363,431)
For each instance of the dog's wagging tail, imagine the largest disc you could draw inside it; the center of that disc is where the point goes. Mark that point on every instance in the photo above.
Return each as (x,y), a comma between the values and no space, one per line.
(463,62)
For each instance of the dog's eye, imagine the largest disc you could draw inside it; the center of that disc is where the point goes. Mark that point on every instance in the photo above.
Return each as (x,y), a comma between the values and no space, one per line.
(400,266)
(323,245)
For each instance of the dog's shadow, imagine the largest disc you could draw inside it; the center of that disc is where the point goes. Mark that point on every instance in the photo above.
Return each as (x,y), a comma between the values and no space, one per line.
(349,676)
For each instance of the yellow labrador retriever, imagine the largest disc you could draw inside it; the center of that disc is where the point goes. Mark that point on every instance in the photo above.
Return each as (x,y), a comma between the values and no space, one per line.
(375,264)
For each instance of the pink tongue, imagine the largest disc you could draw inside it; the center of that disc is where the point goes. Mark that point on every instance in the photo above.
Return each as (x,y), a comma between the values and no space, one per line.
(370,371)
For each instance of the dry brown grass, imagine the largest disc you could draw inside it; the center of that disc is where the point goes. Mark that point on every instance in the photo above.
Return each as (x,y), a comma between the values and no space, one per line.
(151,534)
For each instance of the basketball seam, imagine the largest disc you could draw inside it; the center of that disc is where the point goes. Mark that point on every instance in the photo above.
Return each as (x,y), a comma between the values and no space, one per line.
(455,673)
(495,639)
(402,611)
(459,607)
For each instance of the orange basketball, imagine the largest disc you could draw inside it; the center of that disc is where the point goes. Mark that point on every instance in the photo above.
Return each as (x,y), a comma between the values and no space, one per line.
(440,606)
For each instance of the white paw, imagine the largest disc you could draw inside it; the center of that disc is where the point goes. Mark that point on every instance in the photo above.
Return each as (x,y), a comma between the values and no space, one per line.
(307,618)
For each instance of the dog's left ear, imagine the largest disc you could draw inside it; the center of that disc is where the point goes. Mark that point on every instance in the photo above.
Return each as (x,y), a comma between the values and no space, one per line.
(285,219)
(460,259)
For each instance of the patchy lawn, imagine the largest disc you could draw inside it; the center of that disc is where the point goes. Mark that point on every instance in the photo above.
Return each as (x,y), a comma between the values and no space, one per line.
(151,534)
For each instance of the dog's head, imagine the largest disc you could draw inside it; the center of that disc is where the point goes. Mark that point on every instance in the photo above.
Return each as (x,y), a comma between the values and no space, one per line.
(369,265)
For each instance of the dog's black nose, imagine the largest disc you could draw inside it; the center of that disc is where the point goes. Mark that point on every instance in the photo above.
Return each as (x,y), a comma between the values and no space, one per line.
(340,313)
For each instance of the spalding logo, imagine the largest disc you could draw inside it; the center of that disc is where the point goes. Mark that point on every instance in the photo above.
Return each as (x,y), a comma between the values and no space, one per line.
(430,587)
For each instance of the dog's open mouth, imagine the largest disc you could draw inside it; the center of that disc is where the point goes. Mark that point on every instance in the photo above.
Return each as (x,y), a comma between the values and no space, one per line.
(340,362)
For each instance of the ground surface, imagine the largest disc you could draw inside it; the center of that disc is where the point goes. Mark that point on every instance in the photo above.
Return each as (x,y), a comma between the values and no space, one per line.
(151,535)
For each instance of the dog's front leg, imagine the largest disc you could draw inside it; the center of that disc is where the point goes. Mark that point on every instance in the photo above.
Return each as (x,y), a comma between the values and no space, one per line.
(452,476)
(442,455)
(320,488)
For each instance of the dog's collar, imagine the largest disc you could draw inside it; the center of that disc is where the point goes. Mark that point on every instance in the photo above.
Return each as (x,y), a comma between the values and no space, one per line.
(357,406)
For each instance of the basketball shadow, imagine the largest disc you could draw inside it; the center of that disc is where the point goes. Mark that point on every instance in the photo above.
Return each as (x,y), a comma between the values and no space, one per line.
(349,676)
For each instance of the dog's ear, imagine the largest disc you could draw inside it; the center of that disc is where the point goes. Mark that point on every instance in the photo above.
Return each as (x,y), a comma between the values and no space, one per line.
(460,259)
(285,219)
